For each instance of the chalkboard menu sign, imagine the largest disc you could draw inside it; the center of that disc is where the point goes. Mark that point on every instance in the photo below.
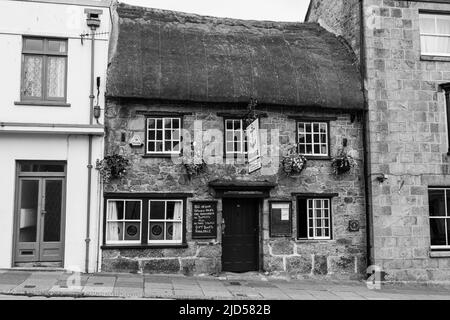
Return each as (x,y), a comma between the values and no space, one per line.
(280,219)
(204,220)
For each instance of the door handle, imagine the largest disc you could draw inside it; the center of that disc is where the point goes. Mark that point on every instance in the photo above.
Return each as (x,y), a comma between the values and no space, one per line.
(44,212)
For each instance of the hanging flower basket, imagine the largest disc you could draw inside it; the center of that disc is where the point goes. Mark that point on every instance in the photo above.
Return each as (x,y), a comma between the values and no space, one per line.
(112,167)
(193,162)
(343,163)
(293,162)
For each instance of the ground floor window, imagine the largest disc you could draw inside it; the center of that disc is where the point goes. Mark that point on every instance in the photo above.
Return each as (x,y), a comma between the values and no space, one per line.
(144,221)
(123,221)
(166,221)
(439,217)
(314,218)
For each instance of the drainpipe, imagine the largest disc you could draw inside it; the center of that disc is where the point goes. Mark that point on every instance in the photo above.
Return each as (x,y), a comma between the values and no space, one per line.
(93,22)
(366,138)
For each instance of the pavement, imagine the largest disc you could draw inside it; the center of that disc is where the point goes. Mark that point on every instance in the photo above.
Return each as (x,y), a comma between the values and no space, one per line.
(63,285)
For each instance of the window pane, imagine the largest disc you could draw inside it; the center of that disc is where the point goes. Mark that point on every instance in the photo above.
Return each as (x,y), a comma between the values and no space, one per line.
(34,44)
(114,231)
(115,210)
(133,210)
(32,72)
(427,24)
(438,232)
(443,45)
(429,44)
(151,135)
(151,147)
(173,231)
(443,24)
(156,231)
(176,123)
(34,167)
(436,200)
(29,210)
(174,210)
(157,210)
(57,46)
(56,77)
(132,231)
(151,123)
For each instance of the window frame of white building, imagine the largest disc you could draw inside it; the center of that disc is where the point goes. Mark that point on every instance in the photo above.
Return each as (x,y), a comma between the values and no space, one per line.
(435,33)
(45,54)
(151,135)
(242,141)
(165,222)
(302,146)
(308,217)
(445,217)
(124,222)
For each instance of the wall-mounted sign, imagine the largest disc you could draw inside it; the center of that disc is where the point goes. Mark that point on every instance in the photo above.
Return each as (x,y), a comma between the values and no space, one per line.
(204,220)
(254,147)
(280,219)
(136,141)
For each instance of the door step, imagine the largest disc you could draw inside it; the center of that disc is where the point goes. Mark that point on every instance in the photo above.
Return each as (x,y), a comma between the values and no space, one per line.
(41,266)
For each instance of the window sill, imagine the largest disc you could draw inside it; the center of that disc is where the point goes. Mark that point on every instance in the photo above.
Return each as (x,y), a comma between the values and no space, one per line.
(161,155)
(317,157)
(143,246)
(42,103)
(309,241)
(440,254)
(434,58)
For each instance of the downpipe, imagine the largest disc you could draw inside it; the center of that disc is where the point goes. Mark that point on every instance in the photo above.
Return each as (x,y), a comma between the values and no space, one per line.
(89,166)
(366,138)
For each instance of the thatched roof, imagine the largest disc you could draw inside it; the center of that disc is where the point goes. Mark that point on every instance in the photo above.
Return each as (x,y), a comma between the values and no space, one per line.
(176,56)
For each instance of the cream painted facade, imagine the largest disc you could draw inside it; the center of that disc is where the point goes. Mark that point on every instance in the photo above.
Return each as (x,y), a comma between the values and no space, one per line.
(58,132)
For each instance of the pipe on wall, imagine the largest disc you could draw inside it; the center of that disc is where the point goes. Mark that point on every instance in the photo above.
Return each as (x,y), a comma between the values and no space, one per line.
(89,166)
(366,138)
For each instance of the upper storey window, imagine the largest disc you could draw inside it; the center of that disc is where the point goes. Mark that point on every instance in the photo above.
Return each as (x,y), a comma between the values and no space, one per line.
(435,34)
(44,69)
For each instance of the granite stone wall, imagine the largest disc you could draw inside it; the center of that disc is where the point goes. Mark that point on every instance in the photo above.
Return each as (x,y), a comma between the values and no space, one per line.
(343,256)
(408,133)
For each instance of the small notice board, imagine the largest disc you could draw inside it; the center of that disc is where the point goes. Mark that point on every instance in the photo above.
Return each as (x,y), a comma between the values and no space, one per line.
(204,220)
(280,219)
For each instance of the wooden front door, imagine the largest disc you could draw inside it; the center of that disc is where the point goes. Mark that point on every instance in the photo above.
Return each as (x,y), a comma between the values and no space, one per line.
(39,220)
(240,238)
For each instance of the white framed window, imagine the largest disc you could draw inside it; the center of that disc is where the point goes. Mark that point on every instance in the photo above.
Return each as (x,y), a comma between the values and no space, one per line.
(235,137)
(435,34)
(314,218)
(312,138)
(438,200)
(123,221)
(163,135)
(165,225)
(319,219)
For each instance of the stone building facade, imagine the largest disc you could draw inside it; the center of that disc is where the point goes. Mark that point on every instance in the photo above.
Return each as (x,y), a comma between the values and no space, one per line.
(202,72)
(406,69)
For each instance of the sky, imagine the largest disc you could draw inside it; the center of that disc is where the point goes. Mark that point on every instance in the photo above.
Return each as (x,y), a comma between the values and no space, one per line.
(276,10)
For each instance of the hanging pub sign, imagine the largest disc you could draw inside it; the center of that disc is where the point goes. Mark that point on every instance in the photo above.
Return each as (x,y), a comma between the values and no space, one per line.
(253,147)
(204,220)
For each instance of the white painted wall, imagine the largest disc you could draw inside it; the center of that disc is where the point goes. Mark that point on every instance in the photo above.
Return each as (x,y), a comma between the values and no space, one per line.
(72,149)
(18,18)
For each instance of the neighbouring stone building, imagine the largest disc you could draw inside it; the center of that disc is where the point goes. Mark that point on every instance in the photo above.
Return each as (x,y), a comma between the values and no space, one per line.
(405,56)
(177,78)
